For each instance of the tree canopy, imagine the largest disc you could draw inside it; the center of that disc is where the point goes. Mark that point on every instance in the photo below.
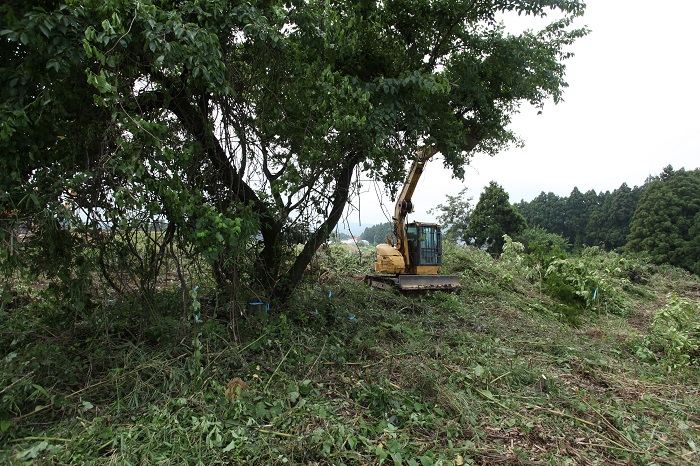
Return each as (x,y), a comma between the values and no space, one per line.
(242,126)
(492,218)
(547,210)
(666,221)
(453,216)
(609,224)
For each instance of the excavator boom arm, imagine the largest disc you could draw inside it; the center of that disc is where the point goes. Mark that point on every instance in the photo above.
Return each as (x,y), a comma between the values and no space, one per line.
(404,204)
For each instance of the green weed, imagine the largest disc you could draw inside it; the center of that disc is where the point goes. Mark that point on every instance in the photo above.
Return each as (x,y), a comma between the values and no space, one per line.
(674,337)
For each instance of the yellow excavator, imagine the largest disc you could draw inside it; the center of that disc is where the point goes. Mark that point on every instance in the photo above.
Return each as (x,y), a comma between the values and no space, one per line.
(411,260)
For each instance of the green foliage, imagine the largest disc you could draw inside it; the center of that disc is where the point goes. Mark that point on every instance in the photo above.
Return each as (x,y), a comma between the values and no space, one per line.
(579,208)
(479,272)
(674,338)
(609,225)
(593,281)
(592,219)
(343,262)
(542,246)
(572,282)
(222,237)
(546,211)
(492,218)
(665,223)
(660,219)
(512,250)
(377,234)
(453,216)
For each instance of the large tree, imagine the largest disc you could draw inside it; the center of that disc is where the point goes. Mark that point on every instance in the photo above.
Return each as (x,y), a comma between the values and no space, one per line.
(244,124)
(494,217)
(667,219)
(453,215)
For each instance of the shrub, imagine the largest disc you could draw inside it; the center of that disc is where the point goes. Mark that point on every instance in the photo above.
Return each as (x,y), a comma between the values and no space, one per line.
(594,279)
(538,239)
(541,249)
(675,333)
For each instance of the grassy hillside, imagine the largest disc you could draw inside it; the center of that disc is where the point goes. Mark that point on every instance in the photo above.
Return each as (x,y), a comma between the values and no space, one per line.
(521,366)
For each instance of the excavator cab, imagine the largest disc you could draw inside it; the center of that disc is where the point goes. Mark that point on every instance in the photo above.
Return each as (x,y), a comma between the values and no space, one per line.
(424,244)
(424,241)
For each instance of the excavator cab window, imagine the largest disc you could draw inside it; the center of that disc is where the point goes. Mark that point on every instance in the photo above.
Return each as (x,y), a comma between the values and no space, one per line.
(413,241)
(424,244)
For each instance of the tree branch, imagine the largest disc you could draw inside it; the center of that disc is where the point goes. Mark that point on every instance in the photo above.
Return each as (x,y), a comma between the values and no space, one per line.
(341,194)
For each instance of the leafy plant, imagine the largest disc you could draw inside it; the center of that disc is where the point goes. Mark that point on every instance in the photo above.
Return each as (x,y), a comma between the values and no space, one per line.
(675,334)
(541,248)
(592,281)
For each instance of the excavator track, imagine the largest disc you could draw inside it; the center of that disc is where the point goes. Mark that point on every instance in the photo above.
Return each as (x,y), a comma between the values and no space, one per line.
(405,282)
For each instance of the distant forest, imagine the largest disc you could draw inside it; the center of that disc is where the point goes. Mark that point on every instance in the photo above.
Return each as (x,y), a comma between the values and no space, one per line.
(661,218)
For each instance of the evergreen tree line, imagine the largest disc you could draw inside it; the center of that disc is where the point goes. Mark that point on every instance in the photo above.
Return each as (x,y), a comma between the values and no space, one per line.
(590,218)
(660,218)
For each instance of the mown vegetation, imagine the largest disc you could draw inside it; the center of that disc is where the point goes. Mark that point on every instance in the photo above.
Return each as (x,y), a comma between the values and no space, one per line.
(586,360)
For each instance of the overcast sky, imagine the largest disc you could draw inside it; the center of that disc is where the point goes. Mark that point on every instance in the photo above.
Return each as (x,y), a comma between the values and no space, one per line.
(631,109)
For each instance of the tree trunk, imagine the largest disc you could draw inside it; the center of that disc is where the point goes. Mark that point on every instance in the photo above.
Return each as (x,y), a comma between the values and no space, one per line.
(286,284)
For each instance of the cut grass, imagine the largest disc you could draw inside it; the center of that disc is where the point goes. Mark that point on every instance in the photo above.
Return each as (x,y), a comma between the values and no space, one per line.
(492,375)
